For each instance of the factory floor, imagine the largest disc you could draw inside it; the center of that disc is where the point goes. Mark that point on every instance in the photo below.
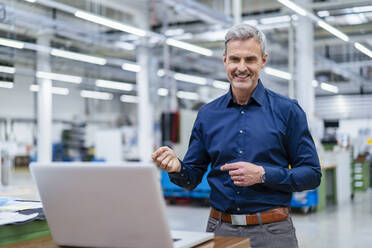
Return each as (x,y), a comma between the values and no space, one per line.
(348,225)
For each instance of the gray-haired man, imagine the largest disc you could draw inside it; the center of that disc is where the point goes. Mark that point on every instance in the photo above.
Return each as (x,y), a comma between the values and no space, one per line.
(250,136)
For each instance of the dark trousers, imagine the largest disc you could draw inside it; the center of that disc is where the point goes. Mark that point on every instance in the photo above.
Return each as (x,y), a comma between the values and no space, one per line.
(271,235)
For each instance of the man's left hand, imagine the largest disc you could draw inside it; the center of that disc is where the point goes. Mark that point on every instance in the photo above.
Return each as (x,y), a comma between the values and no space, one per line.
(244,173)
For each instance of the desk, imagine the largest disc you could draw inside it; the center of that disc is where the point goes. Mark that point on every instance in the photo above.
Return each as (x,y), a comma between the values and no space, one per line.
(217,242)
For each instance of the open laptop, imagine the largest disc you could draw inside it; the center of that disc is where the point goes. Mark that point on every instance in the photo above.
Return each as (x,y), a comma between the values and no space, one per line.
(107,205)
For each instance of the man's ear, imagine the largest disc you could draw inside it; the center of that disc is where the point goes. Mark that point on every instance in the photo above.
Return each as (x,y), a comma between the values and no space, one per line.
(264,59)
(224,59)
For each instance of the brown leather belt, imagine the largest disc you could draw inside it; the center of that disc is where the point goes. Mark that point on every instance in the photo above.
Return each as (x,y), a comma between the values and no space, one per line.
(269,216)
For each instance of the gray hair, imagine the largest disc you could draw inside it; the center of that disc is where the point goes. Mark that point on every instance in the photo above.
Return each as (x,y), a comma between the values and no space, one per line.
(245,31)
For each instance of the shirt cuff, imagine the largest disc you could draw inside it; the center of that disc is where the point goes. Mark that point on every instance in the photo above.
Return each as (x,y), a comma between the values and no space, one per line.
(178,175)
(270,173)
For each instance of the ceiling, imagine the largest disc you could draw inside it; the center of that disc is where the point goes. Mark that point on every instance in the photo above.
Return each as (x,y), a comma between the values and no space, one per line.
(202,23)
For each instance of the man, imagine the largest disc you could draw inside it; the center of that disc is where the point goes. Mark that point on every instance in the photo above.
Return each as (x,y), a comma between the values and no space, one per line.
(259,147)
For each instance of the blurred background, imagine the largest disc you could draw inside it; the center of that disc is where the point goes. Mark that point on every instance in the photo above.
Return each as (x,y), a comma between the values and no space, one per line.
(112,80)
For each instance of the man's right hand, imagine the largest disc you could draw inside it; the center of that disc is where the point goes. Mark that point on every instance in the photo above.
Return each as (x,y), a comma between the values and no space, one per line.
(166,159)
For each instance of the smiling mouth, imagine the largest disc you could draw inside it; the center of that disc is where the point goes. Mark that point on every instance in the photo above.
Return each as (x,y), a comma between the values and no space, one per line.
(243,76)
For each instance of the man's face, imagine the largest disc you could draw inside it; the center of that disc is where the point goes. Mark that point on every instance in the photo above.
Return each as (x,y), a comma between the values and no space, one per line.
(243,61)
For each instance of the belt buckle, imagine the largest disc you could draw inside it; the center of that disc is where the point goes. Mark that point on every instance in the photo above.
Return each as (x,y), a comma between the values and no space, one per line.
(238,219)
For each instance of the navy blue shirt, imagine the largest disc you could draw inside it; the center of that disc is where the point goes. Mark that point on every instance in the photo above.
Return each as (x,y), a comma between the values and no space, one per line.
(271,131)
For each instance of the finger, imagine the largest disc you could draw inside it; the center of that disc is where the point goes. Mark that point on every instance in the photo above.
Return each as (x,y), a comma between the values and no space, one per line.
(163,156)
(236,172)
(239,183)
(236,178)
(232,166)
(166,161)
(159,151)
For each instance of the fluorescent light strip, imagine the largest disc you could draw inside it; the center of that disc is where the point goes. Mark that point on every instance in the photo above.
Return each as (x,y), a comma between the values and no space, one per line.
(7,69)
(125,45)
(131,67)
(190,79)
(362,9)
(329,87)
(163,92)
(363,49)
(55,90)
(278,73)
(333,31)
(96,95)
(315,83)
(114,85)
(189,47)
(31,1)
(59,77)
(161,72)
(187,95)
(276,19)
(6,84)
(221,84)
(109,23)
(12,43)
(293,7)
(78,56)
(129,98)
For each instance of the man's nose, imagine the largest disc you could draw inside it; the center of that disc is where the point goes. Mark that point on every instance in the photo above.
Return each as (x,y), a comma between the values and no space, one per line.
(242,66)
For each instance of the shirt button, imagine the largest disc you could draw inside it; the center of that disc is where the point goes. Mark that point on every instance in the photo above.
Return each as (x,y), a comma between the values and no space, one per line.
(238,209)
(182,175)
(242,112)
(238,192)
(241,131)
(240,151)
(188,182)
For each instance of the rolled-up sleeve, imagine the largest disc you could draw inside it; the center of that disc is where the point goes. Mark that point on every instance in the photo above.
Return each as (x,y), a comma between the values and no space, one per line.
(305,172)
(195,162)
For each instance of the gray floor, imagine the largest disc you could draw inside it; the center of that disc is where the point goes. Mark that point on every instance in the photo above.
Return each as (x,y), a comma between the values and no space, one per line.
(348,226)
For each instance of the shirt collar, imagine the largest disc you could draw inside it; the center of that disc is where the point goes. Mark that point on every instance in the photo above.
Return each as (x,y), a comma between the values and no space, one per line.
(258,95)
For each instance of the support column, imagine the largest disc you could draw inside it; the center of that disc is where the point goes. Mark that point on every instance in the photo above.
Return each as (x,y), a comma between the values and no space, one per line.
(44,105)
(144,108)
(305,65)
(237,10)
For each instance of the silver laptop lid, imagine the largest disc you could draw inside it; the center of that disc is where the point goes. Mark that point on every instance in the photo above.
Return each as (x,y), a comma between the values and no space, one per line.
(103,205)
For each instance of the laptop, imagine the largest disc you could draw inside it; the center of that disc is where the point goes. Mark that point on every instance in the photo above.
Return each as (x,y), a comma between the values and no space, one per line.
(107,205)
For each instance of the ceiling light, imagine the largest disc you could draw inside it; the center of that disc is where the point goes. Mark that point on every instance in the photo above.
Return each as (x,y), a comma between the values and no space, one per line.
(187,95)
(314,83)
(355,19)
(362,9)
(161,73)
(278,73)
(109,23)
(329,87)
(323,13)
(96,95)
(221,84)
(293,7)
(6,84)
(189,47)
(129,98)
(162,92)
(30,1)
(251,22)
(78,56)
(55,90)
(125,45)
(333,31)
(173,32)
(114,85)
(190,79)
(363,49)
(275,19)
(12,43)
(131,67)
(59,77)
(7,69)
